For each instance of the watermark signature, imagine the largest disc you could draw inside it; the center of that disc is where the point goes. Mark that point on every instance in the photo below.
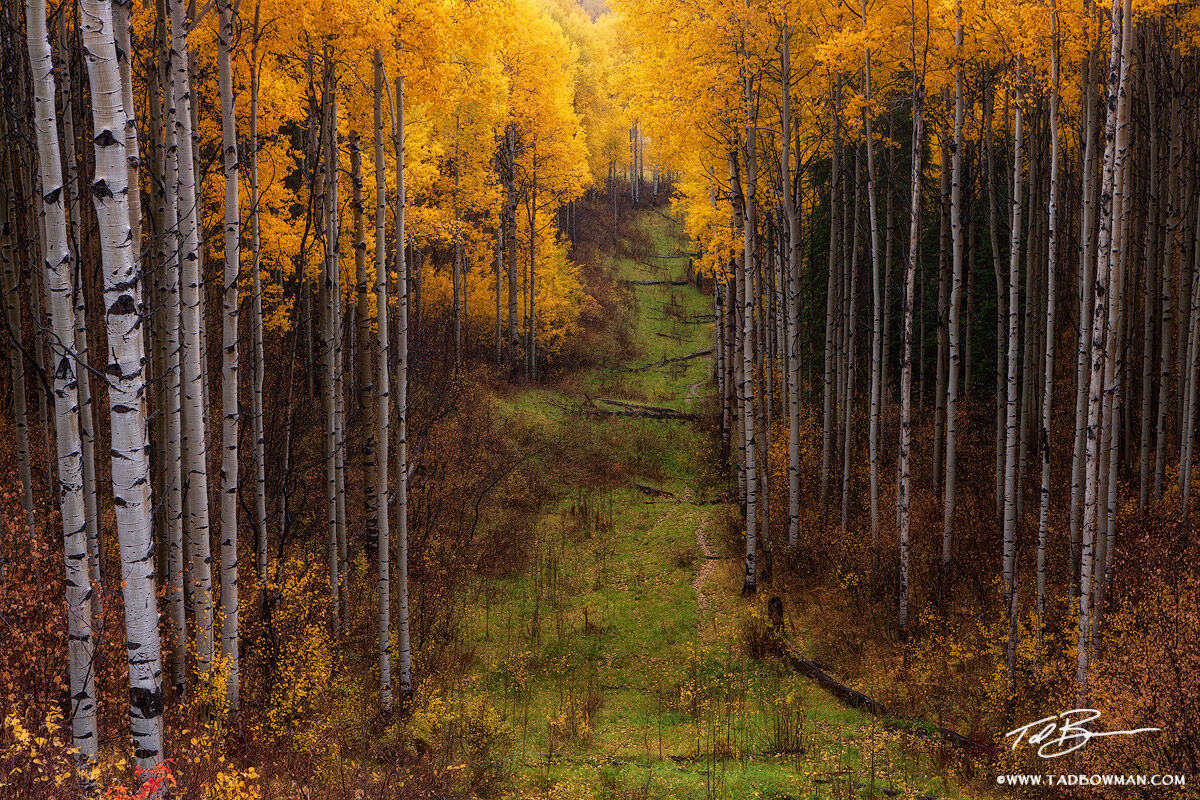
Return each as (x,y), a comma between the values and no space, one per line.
(1064,733)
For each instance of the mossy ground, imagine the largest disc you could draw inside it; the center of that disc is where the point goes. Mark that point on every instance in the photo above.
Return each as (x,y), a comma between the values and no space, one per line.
(611,678)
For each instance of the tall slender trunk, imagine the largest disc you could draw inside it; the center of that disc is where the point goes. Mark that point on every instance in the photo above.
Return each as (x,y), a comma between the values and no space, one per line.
(87,422)
(1117,73)
(126,386)
(195,453)
(950,486)
(329,330)
(830,306)
(1010,427)
(792,338)
(169,251)
(256,395)
(382,398)
(58,272)
(1051,271)
(230,412)
(904,491)
(402,621)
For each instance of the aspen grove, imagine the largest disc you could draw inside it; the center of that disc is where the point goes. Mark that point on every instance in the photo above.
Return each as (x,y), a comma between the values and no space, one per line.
(445,399)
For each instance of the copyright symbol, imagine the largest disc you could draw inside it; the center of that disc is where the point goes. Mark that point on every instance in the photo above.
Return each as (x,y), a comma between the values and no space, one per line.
(1000,779)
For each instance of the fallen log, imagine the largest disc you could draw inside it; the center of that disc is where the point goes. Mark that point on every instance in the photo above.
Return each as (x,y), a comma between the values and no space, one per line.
(858,700)
(665,361)
(653,491)
(656,283)
(626,409)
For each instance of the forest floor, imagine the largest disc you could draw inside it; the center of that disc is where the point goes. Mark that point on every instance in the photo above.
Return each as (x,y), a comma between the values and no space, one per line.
(619,656)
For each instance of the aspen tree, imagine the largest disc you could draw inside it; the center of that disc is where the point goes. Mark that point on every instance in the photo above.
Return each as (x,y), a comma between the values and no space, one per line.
(904,490)
(1051,273)
(791,339)
(950,485)
(329,330)
(402,620)
(126,385)
(57,267)
(1011,399)
(194,447)
(169,251)
(256,394)
(230,412)
(876,389)
(87,422)
(382,398)
(1117,74)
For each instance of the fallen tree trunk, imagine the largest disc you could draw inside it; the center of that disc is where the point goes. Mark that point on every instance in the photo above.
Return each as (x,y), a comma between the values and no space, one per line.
(858,700)
(656,283)
(653,491)
(626,409)
(665,361)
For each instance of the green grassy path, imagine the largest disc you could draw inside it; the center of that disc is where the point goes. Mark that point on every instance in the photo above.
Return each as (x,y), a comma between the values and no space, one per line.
(616,660)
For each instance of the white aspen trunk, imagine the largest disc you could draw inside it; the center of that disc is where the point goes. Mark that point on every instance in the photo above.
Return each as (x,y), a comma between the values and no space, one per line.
(402,617)
(328,356)
(123,29)
(87,423)
(230,412)
(791,339)
(338,330)
(950,486)
(169,246)
(1086,271)
(1117,71)
(58,271)
(1011,399)
(850,362)
(830,315)
(876,389)
(1048,375)
(382,399)
(256,395)
(903,491)
(1167,304)
(126,386)
(745,377)
(195,454)
(1153,222)
(1114,356)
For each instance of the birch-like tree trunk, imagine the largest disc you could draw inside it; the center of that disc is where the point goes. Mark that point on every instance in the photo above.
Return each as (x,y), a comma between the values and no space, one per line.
(194,439)
(904,488)
(169,250)
(382,399)
(1117,72)
(126,385)
(256,395)
(58,273)
(876,389)
(830,311)
(1012,361)
(402,616)
(1051,271)
(791,339)
(329,351)
(950,486)
(230,412)
(87,422)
